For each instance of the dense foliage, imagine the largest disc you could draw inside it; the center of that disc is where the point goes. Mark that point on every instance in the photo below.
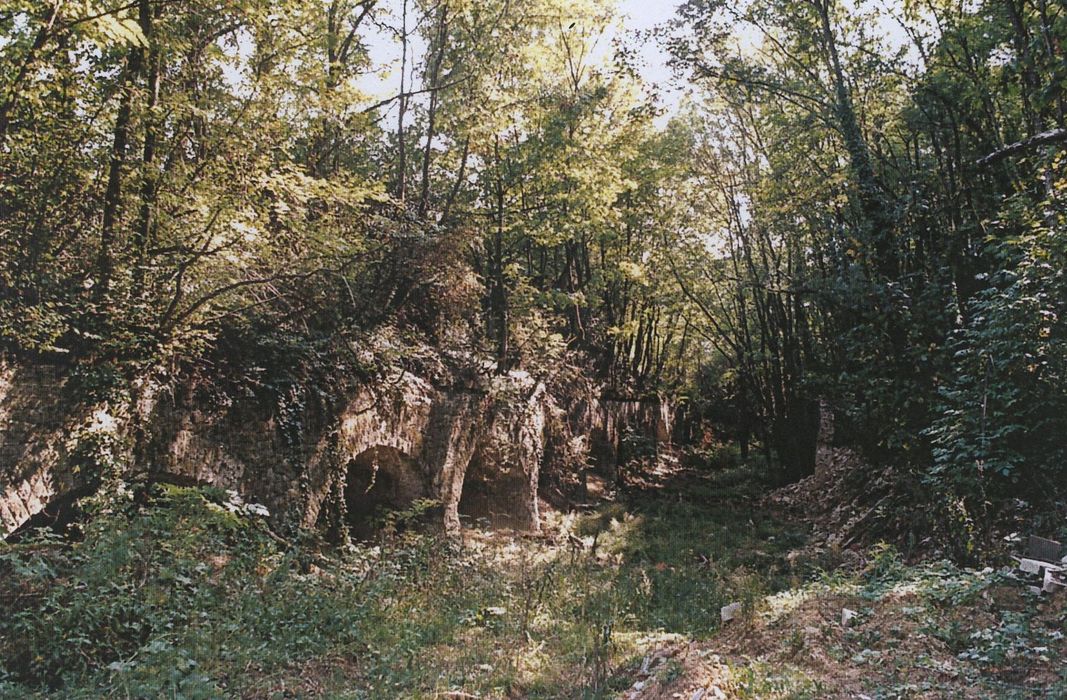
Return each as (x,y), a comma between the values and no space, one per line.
(853,206)
(185,594)
(892,187)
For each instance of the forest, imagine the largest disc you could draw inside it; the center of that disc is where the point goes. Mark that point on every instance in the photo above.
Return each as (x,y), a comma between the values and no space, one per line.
(533,349)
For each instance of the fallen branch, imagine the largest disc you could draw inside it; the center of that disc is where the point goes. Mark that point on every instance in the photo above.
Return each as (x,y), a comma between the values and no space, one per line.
(854,530)
(1043,139)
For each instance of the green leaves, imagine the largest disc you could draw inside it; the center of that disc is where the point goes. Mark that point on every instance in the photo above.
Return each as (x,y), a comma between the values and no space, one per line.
(116,28)
(1005,401)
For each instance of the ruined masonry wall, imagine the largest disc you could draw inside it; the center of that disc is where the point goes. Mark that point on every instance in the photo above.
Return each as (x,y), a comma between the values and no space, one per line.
(239,446)
(33,438)
(494,435)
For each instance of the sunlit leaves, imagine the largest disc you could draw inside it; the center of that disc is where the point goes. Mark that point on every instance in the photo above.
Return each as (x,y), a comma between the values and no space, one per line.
(117,28)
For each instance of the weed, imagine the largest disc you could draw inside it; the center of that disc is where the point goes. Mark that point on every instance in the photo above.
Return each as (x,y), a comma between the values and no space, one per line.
(188,597)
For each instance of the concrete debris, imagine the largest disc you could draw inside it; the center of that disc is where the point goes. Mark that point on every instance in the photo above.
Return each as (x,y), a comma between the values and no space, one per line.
(1035,566)
(1046,563)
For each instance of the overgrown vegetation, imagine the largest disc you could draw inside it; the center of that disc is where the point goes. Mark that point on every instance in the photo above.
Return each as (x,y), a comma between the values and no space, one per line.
(855,206)
(932,630)
(187,595)
(894,233)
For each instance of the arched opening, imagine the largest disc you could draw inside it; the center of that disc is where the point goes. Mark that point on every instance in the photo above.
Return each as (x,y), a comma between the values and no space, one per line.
(63,515)
(379,480)
(495,497)
(475,501)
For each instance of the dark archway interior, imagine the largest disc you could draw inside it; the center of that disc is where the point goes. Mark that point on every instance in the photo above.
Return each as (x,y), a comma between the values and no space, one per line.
(476,499)
(63,516)
(492,498)
(379,480)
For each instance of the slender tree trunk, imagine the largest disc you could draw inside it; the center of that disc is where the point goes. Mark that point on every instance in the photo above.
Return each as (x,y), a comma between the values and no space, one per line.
(498,295)
(460,175)
(402,107)
(41,38)
(1030,86)
(431,117)
(871,199)
(145,220)
(113,195)
(1054,54)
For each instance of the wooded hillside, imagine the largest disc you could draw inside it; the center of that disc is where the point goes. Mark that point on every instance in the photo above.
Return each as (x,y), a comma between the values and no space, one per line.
(839,210)
(855,204)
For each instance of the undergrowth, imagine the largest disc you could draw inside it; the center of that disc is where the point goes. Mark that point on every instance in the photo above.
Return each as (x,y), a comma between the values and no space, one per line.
(183,597)
(187,596)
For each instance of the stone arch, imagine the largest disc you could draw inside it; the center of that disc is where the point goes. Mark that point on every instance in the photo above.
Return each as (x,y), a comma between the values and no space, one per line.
(499,487)
(493,497)
(477,504)
(57,513)
(378,479)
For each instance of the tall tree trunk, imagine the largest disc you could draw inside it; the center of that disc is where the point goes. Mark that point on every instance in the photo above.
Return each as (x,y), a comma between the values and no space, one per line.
(446,213)
(402,107)
(39,40)
(872,202)
(431,117)
(113,195)
(499,294)
(143,232)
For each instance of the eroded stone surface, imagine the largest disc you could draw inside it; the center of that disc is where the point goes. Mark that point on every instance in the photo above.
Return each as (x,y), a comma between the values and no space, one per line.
(478,447)
(34,428)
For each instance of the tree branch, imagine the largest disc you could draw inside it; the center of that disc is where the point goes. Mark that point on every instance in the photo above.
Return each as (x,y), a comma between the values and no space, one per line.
(1045,138)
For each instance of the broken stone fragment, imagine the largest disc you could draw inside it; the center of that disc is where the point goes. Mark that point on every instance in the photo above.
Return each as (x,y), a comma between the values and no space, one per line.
(1053,583)
(729,612)
(1030,566)
(1038,568)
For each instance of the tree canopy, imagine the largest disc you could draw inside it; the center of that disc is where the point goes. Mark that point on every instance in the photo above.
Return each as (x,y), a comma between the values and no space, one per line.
(855,204)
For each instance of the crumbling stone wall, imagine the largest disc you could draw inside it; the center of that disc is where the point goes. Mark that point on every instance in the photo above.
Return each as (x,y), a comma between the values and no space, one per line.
(479,447)
(650,417)
(501,483)
(241,446)
(34,422)
(588,425)
(437,428)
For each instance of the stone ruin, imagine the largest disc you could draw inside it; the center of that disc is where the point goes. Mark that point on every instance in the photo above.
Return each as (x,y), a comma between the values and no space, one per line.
(477,450)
